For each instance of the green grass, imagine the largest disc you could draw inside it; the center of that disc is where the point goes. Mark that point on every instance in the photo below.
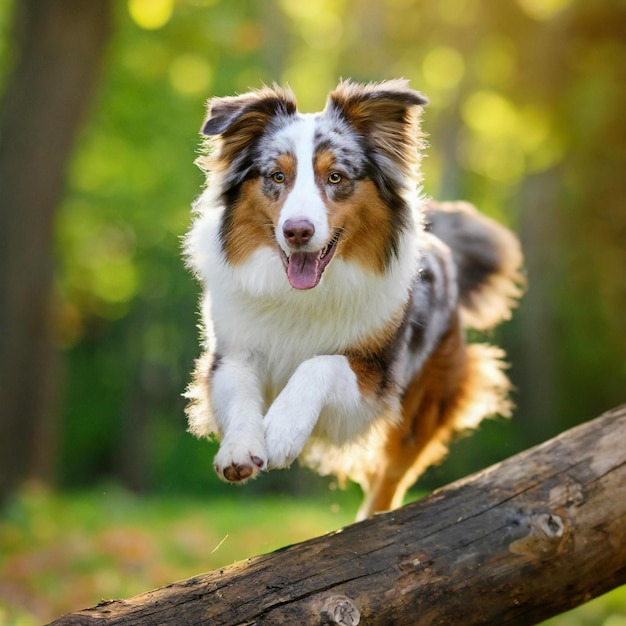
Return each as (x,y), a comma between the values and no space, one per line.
(63,552)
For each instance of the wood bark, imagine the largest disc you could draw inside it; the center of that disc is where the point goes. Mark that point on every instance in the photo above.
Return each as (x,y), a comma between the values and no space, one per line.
(517,543)
(58,49)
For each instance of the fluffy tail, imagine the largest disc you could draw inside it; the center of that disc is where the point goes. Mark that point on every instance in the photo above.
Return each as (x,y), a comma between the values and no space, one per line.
(488,258)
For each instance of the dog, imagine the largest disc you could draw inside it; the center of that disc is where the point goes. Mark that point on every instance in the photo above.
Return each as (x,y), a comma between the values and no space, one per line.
(336,297)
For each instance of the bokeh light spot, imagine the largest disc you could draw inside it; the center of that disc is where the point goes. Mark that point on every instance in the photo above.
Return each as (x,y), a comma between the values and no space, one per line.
(151,14)
(490,114)
(190,74)
(543,9)
(495,61)
(443,68)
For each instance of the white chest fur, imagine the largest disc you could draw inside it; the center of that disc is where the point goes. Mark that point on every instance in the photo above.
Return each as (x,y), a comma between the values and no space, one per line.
(252,310)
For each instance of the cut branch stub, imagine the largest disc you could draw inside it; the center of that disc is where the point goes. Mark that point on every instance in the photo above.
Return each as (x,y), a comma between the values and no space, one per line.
(339,611)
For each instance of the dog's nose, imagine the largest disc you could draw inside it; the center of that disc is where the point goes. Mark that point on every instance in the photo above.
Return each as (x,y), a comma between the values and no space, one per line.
(298,232)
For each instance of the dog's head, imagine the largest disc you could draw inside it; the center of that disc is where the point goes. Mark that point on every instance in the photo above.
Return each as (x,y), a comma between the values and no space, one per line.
(316,186)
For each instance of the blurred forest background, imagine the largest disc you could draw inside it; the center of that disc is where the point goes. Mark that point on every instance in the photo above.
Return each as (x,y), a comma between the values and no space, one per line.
(100,106)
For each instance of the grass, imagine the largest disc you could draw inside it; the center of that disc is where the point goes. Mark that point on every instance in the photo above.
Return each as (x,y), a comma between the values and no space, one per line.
(63,552)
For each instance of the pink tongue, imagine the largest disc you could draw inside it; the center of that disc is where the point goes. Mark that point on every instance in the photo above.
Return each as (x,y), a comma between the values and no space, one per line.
(303,270)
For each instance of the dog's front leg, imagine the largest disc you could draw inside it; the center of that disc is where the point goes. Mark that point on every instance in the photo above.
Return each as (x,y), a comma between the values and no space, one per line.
(237,405)
(322,382)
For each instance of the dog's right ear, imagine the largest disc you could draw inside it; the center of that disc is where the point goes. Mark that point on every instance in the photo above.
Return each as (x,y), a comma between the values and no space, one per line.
(221,113)
(248,112)
(234,125)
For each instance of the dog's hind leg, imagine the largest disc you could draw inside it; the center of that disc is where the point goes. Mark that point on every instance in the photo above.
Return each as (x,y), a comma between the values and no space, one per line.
(419,440)
(456,388)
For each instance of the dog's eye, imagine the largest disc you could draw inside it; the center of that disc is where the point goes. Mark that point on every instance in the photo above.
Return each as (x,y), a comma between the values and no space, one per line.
(278,177)
(334,178)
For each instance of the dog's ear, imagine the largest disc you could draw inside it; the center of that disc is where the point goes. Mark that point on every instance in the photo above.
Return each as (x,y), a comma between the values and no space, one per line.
(387,116)
(250,112)
(222,112)
(235,124)
(366,106)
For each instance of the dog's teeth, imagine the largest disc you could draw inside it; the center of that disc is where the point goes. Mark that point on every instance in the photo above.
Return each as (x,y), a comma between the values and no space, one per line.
(329,245)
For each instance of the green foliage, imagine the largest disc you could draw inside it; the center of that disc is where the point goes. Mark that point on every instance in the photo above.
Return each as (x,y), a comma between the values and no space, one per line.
(525,120)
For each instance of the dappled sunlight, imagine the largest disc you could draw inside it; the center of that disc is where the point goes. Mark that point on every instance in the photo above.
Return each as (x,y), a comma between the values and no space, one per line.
(191,74)
(323,34)
(321,27)
(442,68)
(506,142)
(311,96)
(544,9)
(151,14)
(490,114)
(491,148)
(495,61)
(320,23)
(459,12)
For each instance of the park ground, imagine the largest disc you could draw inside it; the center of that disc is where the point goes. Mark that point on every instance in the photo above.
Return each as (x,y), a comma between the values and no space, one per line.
(61,552)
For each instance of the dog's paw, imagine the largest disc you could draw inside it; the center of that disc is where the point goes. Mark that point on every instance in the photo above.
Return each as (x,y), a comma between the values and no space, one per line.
(239,460)
(284,442)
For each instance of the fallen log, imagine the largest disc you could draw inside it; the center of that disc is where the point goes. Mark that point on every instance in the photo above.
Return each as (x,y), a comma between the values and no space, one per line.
(531,537)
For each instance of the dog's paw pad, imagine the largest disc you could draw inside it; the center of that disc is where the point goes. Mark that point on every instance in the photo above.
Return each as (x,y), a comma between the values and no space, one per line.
(236,473)
(238,464)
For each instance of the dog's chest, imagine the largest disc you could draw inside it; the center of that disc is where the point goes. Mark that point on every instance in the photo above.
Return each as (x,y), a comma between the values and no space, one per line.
(256,314)
(291,329)
(281,330)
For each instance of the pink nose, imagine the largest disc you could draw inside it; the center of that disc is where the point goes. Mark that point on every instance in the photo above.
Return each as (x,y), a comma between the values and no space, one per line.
(298,232)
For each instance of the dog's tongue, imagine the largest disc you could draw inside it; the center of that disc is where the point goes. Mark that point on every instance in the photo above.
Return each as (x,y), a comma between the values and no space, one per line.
(303,270)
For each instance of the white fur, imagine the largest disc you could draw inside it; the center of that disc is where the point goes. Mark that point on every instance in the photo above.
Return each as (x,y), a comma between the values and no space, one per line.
(238,407)
(281,379)
(304,201)
(320,383)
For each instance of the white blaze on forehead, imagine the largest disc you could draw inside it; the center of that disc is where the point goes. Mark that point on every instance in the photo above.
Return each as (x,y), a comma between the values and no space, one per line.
(304,201)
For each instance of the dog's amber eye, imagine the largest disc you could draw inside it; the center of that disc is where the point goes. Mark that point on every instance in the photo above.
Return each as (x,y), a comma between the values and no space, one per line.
(334,178)
(278,177)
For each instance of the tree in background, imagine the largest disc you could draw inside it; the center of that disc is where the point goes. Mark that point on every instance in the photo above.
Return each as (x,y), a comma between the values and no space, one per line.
(58,49)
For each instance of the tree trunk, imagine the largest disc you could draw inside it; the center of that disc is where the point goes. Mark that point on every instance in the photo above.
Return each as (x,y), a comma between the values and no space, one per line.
(517,543)
(58,48)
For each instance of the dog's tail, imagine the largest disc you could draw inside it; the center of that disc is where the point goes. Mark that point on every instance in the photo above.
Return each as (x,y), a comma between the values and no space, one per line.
(488,258)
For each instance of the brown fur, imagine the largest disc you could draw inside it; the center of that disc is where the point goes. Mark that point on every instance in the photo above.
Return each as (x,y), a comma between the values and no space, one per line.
(364,217)
(452,384)
(254,216)
(428,409)
(252,219)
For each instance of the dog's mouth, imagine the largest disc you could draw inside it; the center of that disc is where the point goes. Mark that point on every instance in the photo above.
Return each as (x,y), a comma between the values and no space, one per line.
(305,269)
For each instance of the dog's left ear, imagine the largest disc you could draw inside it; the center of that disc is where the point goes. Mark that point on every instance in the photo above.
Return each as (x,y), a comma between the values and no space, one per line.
(367,105)
(386,114)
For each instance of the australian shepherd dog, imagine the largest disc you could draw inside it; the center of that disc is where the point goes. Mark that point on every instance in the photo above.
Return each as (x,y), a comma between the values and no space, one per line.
(336,296)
